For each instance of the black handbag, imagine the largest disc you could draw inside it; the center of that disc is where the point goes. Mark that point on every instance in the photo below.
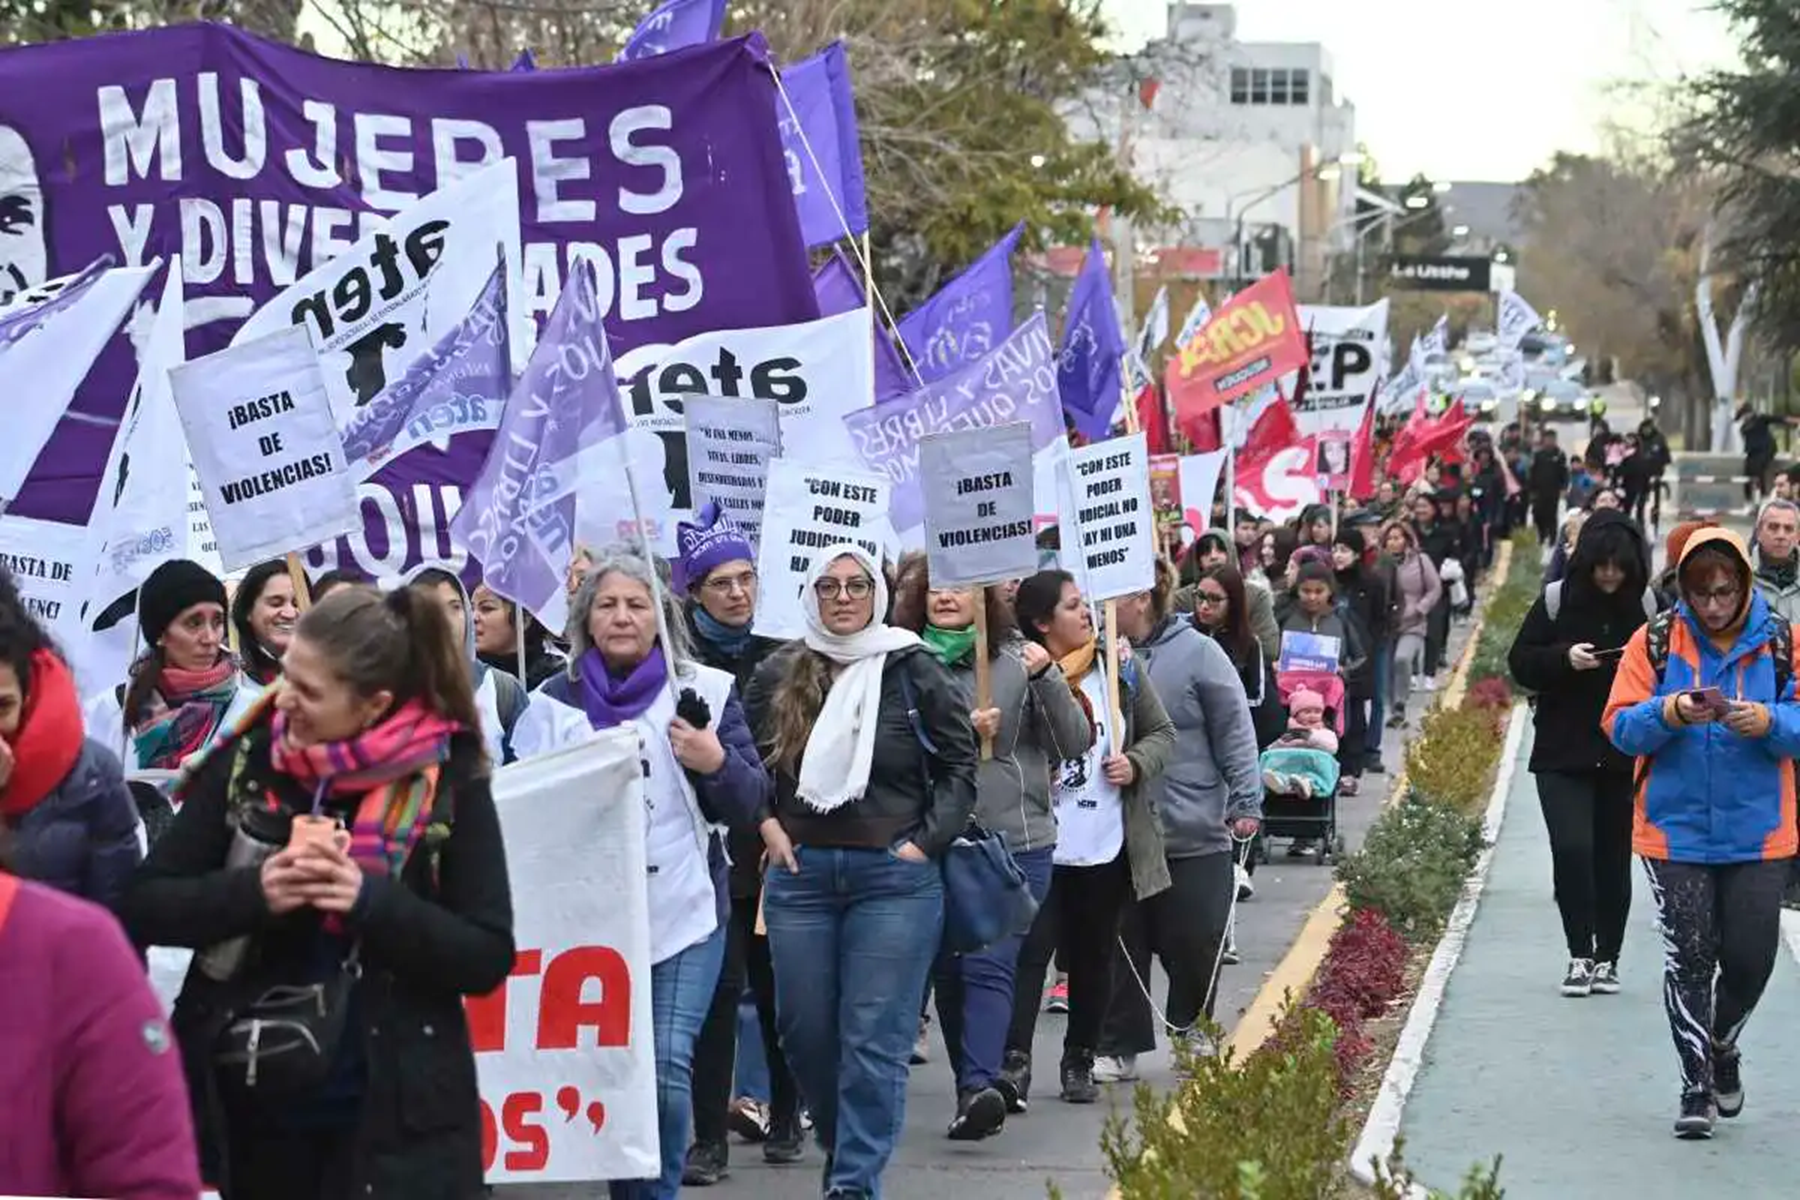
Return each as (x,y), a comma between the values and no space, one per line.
(986,896)
(285,1040)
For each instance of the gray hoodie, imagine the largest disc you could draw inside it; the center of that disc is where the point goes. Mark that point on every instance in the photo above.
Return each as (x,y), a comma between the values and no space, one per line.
(1041,723)
(1211,777)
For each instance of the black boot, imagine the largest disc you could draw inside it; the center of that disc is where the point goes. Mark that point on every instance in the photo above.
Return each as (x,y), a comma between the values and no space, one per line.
(1078,1085)
(705,1164)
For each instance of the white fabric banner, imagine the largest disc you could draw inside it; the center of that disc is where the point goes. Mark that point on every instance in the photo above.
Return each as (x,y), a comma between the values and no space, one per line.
(1107,508)
(807,508)
(140,517)
(1346,365)
(980,501)
(46,366)
(386,300)
(729,445)
(258,420)
(1517,318)
(1199,484)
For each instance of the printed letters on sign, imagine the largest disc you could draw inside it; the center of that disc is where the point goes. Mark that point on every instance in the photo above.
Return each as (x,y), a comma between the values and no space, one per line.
(805,510)
(1112,517)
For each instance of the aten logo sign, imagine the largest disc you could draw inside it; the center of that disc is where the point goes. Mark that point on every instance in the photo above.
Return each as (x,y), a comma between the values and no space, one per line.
(1441,274)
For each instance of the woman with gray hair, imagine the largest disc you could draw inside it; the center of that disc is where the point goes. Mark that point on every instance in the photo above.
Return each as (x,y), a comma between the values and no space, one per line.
(630,665)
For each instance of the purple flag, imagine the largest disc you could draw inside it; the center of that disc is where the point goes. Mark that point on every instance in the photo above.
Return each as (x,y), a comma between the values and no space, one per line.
(565,406)
(674,24)
(968,317)
(839,290)
(1016,382)
(31,314)
(241,155)
(525,62)
(459,387)
(1087,370)
(828,196)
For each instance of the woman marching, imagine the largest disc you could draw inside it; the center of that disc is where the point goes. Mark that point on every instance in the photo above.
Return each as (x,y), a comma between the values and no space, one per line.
(855,908)
(263,614)
(185,686)
(1711,714)
(1034,721)
(630,667)
(1567,651)
(337,863)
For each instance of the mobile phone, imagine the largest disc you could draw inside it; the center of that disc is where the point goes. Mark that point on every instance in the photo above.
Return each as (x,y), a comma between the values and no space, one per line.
(1711,699)
(1603,655)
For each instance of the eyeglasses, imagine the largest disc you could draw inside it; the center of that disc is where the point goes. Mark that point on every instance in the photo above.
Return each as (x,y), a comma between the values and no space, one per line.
(745,583)
(1717,595)
(857,588)
(1208,599)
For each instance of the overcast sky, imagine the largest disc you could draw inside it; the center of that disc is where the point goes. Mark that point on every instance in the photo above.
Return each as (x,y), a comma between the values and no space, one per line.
(1516,82)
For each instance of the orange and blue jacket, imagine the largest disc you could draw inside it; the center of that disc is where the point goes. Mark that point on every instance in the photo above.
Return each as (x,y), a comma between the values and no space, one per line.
(1706,794)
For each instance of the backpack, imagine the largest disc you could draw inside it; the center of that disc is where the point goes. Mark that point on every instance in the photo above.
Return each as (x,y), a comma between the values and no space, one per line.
(1781,648)
(1553,605)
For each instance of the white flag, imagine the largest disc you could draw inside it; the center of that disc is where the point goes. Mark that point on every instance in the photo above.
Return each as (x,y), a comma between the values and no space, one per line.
(1196,320)
(1156,326)
(1438,340)
(1517,318)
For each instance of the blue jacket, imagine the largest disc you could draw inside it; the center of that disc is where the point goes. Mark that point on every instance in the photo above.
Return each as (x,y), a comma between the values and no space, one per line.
(82,838)
(1708,795)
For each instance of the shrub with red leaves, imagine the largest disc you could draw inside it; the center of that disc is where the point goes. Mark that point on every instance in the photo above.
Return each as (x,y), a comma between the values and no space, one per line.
(1364,969)
(1493,694)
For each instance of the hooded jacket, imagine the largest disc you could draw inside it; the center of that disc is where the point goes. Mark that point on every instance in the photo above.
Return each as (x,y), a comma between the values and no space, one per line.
(1705,794)
(1569,702)
(499,697)
(1210,777)
(1257,598)
(1419,586)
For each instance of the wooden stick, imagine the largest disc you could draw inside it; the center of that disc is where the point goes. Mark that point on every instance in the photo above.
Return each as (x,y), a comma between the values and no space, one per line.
(1112,676)
(297,577)
(984,683)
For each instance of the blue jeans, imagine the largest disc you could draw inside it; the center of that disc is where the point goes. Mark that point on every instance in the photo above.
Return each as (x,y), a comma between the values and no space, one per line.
(752,1064)
(681,992)
(1384,668)
(853,934)
(975,992)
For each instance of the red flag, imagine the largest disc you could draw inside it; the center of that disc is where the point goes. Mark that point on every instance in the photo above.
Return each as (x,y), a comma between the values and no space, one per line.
(1252,340)
(1203,433)
(1153,419)
(1442,436)
(1362,455)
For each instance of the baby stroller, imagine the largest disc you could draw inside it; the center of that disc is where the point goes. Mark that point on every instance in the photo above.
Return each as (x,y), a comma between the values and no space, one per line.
(1308,818)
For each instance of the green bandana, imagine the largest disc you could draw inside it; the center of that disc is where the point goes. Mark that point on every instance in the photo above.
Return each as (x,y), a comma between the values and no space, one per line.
(950,645)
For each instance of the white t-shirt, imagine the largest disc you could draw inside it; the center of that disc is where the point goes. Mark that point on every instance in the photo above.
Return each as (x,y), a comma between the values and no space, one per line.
(1090,817)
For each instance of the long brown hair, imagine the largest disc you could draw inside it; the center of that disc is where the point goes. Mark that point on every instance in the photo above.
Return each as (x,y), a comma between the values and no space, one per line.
(1235,635)
(912,591)
(398,642)
(794,705)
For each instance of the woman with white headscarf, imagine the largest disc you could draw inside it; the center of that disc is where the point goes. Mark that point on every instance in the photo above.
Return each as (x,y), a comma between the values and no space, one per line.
(844,718)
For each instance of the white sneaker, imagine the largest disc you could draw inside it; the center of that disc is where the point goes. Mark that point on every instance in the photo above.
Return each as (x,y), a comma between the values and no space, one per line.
(1246,886)
(1418,683)
(1122,1069)
(1430,684)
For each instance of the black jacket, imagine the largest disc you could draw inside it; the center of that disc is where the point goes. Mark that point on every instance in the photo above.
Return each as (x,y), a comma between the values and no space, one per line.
(428,939)
(1364,598)
(82,838)
(1548,475)
(1440,542)
(902,802)
(744,843)
(1570,702)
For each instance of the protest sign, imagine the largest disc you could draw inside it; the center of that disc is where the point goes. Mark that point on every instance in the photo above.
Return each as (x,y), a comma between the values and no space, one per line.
(271,466)
(1016,382)
(46,565)
(1333,461)
(1315,652)
(806,509)
(978,505)
(1344,368)
(729,444)
(1110,517)
(1165,491)
(1251,341)
(258,162)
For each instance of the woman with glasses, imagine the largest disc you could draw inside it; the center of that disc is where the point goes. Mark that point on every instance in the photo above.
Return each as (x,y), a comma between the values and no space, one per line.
(1715,726)
(717,571)
(874,758)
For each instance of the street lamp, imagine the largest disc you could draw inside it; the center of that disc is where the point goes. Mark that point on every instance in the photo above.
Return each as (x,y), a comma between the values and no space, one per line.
(1350,158)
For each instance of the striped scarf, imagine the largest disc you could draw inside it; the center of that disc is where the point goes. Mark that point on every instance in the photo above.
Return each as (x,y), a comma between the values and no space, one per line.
(182,713)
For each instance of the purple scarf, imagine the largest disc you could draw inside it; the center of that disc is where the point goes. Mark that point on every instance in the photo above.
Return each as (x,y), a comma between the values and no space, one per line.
(610,700)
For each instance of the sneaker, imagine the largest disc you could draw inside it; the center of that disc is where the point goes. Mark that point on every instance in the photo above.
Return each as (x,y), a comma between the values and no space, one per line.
(1606,979)
(1014,1084)
(1229,955)
(1728,1081)
(1374,767)
(921,1051)
(1696,1120)
(1300,848)
(1418,684)
(1349,785)
(1246,884)
(1397,721)
(1078,1085)
(705,1164)
(749,1119)
(1058,999)
(1430,683)
(1115,1068)
(979,1114)
(1580,979)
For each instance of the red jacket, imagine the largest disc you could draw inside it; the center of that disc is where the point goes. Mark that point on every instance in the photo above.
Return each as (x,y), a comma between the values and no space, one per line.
(91,1092)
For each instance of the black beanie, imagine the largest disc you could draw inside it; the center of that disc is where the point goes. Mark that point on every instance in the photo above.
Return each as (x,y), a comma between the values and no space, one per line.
(172,588)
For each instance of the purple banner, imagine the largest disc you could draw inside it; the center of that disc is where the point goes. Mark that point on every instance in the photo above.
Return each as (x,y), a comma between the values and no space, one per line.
(1016,382)
(968,317)
(256,161)
(824,152)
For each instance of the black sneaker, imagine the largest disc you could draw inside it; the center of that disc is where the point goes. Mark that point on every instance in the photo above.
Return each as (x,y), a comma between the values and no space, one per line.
(1374,767)
(786,1144)
(1580,979)
(979,1114)
(1696,1120)
(705,1164)
(1078,1086)
(1606,979)
(1728,1081)
(1014,1084)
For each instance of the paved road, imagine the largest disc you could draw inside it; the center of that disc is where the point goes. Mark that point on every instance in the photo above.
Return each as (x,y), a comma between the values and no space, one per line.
(1579,1095)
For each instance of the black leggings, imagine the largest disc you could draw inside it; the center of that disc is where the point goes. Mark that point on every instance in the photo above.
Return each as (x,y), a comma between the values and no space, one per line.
(1078,919)
(1723,920)
(1588,814)
(1184,925)
(297,1164)
(715,1053)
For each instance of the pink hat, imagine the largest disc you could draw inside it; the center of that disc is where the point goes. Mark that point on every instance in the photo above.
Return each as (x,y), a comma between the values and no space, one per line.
(1304,698)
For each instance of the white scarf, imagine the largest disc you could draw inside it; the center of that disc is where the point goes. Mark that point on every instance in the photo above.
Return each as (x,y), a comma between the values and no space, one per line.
(835,768)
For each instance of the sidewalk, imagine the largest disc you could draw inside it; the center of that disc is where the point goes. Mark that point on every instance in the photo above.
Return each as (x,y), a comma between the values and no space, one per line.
(1579,1095)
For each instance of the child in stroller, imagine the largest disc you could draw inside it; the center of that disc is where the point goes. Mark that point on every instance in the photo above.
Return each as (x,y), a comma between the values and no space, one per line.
(1303,760)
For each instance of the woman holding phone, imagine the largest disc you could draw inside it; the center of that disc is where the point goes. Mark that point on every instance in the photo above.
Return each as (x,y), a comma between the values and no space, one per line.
(1705,699)
(1567,651)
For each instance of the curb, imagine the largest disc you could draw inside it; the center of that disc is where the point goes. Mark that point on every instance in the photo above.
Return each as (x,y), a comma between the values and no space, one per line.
(1383,1125)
